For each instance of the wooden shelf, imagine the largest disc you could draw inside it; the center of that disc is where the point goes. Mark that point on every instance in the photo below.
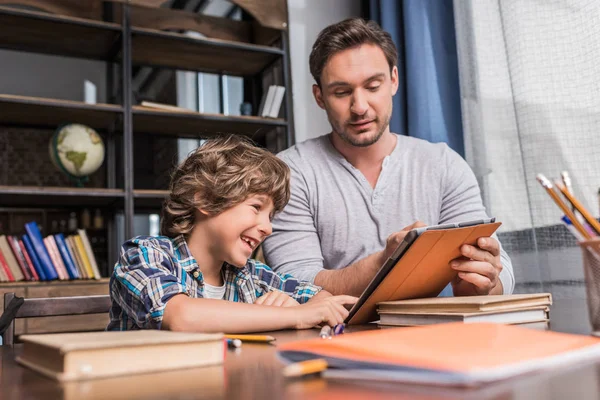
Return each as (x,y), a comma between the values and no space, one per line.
(35,196)
(58,35)
(192,124)
(149,199)
(175,50)
(51,113)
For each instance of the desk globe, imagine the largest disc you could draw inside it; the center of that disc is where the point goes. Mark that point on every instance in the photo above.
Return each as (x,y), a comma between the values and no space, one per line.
(77,150)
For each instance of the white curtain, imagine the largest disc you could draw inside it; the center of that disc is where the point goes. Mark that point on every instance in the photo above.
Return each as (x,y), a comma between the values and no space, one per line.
(530,93)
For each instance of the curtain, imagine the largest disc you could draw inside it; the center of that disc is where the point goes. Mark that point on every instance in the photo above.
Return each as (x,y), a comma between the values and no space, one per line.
(428,104)
(530,93)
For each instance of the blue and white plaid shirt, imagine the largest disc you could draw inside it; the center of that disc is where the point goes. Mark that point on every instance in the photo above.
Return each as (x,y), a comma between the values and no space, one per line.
(152,269)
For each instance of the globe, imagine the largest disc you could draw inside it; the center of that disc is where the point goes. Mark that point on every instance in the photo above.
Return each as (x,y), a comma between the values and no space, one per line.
(77,150)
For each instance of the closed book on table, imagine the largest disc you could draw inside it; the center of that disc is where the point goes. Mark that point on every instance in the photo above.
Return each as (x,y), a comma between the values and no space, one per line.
(501,317)
(467,304)
(74,356)
(454,354)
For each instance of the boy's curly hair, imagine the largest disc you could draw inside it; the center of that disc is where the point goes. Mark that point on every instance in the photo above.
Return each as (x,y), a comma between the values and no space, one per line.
(218,175)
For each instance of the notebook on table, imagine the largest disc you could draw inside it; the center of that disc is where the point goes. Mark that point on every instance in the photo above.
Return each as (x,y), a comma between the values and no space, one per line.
(454,354)
(419,267)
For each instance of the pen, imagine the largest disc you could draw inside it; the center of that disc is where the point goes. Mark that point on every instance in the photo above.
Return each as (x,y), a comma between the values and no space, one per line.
(325,332)
(338,329)
(305,368)
(579,207)
(251,338)
(549,188)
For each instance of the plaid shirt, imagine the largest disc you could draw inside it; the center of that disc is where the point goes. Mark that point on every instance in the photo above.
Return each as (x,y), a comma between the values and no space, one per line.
(151,270)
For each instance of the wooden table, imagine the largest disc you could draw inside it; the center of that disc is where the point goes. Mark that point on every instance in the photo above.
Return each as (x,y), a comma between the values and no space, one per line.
(254,372)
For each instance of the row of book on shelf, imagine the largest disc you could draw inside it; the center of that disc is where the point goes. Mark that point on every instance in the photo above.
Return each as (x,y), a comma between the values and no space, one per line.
(36,258)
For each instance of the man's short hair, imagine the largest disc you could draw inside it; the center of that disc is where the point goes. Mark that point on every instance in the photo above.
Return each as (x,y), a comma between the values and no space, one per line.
(348,34)
(218,175)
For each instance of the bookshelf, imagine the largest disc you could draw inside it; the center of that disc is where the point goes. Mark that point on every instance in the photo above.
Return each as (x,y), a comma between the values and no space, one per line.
(126,36)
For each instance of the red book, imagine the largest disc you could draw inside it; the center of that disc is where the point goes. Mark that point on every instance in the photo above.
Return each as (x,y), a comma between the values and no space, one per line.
(5,268)
(29,263)
(14,244)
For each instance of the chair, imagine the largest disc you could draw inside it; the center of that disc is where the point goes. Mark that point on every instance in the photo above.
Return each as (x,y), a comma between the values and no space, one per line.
(52,307)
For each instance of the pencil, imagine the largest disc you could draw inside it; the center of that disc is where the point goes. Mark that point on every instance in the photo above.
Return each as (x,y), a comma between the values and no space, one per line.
(548,186)
(251,338)
(305,368)
(579,207)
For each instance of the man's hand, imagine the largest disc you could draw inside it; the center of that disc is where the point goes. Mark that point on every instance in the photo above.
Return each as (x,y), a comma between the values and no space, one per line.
(478,269)
(277,299)
(396,238)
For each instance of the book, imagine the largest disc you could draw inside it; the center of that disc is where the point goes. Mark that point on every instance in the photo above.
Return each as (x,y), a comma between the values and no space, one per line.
(83,255)
(13,242)
(54,258)
(34,257)
(59,238)
(76,258)
(502,317)
(76,356)
(277,100)
(11,261)
(5,273)
(543,325)
(89,252)
(467,304)
(37,243)
(266,102)
(34,275)
(453,354)
(165,107)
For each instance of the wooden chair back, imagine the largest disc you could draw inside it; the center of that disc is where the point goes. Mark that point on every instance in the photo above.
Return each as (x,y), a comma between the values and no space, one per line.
(53,307)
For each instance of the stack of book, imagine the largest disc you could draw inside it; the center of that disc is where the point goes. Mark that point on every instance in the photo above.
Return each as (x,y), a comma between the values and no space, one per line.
(36,258)
(527,310)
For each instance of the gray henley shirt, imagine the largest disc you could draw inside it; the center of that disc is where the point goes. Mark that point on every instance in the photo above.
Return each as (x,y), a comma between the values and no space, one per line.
(335,218)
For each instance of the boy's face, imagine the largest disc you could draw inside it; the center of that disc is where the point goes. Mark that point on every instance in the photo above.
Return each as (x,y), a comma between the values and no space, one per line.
(237,231)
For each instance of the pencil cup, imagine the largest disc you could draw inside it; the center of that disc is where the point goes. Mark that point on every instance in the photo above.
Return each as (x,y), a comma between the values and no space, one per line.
(591,270)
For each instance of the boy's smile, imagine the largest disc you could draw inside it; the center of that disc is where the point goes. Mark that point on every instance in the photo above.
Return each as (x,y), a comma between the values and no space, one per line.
(232,235)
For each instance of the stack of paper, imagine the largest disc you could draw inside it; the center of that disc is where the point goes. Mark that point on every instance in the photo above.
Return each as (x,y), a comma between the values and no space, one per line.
(528,310)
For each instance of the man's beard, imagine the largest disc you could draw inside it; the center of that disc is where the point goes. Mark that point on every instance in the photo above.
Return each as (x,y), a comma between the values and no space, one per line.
(357,140)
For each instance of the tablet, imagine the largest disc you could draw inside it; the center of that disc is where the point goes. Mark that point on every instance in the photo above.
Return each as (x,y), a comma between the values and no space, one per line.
(419,267)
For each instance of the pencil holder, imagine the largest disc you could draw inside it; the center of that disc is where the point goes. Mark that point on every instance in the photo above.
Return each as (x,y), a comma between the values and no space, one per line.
(591,270)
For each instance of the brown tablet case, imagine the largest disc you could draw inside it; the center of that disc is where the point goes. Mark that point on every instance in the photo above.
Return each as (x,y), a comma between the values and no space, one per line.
(423,271)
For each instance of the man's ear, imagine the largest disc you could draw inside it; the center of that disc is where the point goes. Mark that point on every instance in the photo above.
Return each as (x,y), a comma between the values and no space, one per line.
(318,95)
(394,79)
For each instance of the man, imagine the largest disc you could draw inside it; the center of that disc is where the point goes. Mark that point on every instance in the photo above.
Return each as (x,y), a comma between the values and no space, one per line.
(354,190)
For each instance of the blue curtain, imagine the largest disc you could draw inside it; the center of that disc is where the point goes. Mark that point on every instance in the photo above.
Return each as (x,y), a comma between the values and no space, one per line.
(427,105)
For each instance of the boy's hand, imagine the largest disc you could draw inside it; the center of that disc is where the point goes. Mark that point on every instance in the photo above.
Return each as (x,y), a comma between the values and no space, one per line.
(329,311)
(277,299)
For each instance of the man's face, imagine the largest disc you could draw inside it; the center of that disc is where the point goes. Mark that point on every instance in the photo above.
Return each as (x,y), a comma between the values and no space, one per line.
(356,92)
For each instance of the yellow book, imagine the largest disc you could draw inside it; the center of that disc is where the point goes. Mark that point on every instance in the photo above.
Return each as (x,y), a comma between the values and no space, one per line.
(76,356)
(76,258)
(90,253)
(84,258)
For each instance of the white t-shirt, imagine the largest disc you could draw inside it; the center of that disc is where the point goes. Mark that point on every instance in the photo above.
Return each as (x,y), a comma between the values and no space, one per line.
(214,292)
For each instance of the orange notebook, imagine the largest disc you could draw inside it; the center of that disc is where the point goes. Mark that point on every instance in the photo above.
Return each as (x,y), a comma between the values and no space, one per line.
(453,354)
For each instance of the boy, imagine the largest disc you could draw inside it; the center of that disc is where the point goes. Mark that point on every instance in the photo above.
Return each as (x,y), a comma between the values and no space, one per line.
(198,277)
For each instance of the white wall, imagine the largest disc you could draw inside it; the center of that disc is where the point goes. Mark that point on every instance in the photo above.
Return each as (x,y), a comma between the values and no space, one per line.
(307,19)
